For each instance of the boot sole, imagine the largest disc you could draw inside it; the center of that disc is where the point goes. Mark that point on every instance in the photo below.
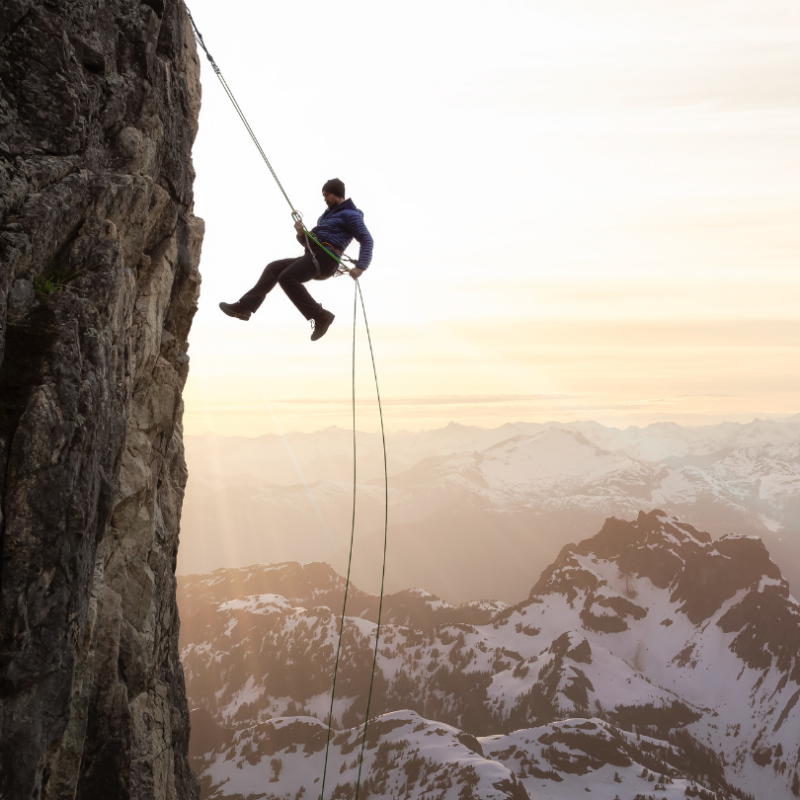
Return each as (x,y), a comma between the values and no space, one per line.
(235,314)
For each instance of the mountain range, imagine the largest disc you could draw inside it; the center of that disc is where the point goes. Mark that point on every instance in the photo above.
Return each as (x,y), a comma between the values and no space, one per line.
(647,661)
(461,496)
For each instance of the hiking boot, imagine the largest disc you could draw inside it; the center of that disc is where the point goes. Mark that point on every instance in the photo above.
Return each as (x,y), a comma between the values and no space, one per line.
(321,324)
(235,310)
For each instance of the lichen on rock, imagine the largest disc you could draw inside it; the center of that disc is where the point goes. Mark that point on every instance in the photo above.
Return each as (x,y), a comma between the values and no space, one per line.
(99,254)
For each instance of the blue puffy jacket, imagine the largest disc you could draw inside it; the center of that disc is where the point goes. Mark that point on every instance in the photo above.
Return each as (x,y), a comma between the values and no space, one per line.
(339,225)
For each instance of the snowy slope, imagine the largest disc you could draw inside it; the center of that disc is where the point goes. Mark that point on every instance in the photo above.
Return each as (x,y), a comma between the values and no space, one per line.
(411,757)
(648,627)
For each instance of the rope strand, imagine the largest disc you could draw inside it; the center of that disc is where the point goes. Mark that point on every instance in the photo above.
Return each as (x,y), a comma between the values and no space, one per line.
(242,117)
(385,537)
(295,214)
(352,537)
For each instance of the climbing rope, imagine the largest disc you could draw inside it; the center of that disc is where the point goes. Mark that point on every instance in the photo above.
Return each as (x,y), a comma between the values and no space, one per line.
(352,537)
(296,215)
(358,296)
(385,536)
(239,111)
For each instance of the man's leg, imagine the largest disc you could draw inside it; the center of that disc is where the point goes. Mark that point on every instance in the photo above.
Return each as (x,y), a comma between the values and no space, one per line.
(252,300)
(301,271)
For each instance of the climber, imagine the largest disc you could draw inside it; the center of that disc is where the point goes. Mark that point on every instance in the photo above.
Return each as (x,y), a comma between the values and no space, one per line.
(335,229)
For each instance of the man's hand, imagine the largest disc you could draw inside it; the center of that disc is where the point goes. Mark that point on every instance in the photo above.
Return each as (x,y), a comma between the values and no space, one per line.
(355,272)
(298,226)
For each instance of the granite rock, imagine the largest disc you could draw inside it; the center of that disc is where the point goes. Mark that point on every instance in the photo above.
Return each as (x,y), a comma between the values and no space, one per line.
(99,254)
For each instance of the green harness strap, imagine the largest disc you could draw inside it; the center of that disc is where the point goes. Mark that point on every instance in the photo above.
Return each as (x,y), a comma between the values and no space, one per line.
(360,297)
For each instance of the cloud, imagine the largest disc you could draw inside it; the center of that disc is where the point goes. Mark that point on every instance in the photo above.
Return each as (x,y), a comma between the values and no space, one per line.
(433,400)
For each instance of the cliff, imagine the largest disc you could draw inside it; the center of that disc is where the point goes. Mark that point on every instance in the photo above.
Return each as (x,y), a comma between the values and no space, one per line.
(99,279)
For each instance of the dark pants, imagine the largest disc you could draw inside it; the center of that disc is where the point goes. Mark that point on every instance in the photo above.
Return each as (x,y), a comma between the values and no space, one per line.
(291,274)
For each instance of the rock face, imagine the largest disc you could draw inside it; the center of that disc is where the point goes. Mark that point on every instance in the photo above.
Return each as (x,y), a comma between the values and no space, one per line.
(99,252)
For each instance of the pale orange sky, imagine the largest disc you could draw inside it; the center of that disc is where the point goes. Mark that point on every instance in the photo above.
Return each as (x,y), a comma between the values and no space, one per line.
(580,210)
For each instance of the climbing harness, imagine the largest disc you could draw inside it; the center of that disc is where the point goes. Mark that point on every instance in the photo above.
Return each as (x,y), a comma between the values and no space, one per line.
(358,297)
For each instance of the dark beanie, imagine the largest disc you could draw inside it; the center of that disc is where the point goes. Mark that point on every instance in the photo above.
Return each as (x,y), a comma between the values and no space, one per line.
(334,186)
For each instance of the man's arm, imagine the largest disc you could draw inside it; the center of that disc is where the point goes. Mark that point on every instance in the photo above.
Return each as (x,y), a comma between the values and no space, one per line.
(364,239)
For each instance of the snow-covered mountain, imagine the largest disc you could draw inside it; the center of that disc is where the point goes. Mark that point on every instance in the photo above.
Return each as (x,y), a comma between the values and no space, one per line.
(410,757)
(558,470)
(645,649)
(327,454)
(519,497)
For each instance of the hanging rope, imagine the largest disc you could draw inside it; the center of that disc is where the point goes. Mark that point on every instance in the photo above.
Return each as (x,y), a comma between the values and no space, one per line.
(296,215)
(352,537)
(385,537)
(239,111)
(360,297)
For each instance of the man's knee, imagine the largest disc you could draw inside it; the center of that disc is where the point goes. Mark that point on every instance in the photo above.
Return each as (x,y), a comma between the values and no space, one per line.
(275,268)
(298,272)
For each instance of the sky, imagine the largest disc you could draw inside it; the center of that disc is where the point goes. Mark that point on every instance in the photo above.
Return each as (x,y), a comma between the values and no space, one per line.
(581,210)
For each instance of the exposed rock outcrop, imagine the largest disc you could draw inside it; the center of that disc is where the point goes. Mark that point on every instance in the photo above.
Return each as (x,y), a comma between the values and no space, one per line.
(99,279)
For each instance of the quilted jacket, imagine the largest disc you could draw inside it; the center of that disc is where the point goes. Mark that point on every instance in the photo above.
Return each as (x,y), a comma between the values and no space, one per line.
(341,224)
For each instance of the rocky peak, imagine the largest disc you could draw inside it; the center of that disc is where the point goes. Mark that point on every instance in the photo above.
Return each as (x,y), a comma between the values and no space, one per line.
(700,574)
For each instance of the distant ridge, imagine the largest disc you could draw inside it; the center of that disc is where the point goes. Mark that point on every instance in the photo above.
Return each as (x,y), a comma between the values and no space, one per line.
(462,497)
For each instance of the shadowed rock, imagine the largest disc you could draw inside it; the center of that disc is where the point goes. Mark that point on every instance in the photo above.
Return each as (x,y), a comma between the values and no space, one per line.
(99,251)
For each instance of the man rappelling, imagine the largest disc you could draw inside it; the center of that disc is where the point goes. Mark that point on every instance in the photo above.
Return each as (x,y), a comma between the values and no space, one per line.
(324,245)
(335,230)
